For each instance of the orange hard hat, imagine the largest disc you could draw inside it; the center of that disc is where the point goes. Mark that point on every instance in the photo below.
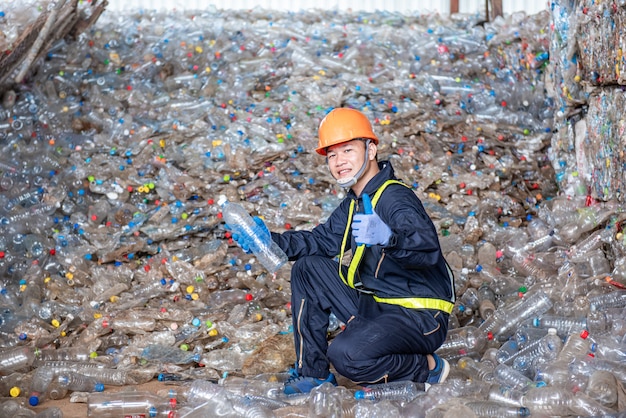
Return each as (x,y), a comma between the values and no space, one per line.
(342,125)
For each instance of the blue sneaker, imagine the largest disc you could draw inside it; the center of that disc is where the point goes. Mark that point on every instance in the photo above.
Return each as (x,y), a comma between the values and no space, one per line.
(296,385)
(440,372)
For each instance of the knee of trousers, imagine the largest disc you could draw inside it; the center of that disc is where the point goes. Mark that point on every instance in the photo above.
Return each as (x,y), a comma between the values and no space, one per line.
(306,267)
(341,356)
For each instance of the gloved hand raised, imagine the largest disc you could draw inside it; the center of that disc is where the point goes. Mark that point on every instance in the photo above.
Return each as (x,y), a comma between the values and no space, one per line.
(244,241)
(368,228)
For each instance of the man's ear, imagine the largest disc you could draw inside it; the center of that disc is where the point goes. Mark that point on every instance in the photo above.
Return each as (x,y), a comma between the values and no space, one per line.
(373,149)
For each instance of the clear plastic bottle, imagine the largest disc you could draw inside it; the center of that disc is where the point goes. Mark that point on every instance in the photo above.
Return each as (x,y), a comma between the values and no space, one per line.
(602,386)
(131,403)
(75,381)
(463,342)
(609,347)
(505,320)
(507,350)
(576,346)
(614,299)
(50,412)
(505,395)
(199,391)
(564,325)
(325,401)
(16,359)
(506,375)
(246,387)
(403,391)
(494,409)
(548,400)
(15,384)
(476,370)
(486,301)
(13,408)
(544,349)
(167,354)
(261,244)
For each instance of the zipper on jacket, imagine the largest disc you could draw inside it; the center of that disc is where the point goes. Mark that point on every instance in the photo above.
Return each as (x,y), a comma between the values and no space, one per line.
(301,353)
(380,262)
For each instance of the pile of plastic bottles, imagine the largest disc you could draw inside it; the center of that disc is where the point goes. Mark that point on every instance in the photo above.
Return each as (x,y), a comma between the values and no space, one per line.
(116,268)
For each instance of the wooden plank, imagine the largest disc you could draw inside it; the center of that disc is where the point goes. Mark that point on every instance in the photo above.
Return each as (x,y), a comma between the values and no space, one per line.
(454,6)
(496,9)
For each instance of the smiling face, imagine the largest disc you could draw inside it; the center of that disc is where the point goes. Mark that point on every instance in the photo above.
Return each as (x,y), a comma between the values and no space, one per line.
(346,159)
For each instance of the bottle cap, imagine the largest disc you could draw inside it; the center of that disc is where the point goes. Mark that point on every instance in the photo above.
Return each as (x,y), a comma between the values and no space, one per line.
(33,400)
(15,392)
(99,387)
(584,334)
(552,331)
(359,394)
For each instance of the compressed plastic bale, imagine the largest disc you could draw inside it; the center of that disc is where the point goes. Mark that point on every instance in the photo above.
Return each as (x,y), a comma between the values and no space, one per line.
(601,153)
(601,42)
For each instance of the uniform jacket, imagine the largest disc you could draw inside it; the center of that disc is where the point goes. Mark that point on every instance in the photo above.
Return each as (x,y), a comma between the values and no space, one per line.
(410,265)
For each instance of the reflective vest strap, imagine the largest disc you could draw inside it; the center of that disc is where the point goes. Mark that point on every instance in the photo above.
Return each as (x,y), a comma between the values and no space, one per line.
(350,280)
(419,303)
(358,254)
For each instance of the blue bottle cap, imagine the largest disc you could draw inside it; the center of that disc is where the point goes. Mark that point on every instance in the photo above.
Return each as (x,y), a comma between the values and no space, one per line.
(99,387)
(33,400)
(359,394)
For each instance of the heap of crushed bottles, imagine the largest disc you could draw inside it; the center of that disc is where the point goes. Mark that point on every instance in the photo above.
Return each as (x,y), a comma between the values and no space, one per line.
(116,268)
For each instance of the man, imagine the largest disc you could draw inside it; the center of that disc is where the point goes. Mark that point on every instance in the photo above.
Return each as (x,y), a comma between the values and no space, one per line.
(397,291)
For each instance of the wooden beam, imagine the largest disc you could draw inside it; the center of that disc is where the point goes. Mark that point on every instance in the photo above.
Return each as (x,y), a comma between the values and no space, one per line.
(496,9)
(454,6)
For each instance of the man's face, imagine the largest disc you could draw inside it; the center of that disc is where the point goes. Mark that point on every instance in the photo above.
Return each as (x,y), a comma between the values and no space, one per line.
(345,159)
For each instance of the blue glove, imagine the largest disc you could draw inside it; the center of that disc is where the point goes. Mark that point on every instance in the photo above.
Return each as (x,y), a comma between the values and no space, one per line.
(369,229)
(244,241)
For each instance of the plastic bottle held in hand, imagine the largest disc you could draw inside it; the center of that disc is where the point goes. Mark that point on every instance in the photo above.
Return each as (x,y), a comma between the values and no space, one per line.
(261,244)
(403,391)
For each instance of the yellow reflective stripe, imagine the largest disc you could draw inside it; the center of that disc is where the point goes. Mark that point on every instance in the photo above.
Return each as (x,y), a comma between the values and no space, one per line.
(358,254)
(353,267)
(350,281)
(419,303)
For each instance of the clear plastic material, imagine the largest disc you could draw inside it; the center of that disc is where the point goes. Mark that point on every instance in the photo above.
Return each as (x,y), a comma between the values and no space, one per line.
(132,403)
(261,244)
(462,342)
(403,391)
(494,409)
(503,322)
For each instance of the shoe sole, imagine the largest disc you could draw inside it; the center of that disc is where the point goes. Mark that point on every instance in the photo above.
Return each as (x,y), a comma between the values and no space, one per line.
(445,371)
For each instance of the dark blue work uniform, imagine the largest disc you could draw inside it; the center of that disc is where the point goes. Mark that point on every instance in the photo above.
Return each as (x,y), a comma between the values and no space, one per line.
(401,296)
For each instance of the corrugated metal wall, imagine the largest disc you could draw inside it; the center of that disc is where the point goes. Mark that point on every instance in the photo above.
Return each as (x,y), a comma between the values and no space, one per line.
(404,6)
